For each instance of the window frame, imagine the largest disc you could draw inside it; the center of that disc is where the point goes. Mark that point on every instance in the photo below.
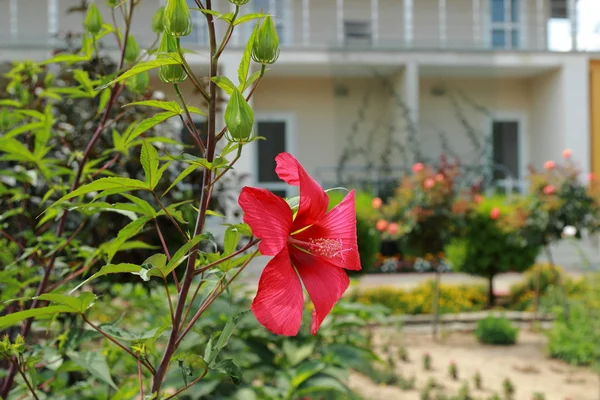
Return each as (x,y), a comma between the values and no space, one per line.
(507,27)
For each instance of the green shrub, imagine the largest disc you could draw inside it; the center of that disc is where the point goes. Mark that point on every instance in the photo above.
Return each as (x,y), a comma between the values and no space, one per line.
(496,330)
(368,239)
(490,246)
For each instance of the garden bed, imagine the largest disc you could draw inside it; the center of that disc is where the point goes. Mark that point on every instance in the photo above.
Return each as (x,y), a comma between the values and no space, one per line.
(525,364)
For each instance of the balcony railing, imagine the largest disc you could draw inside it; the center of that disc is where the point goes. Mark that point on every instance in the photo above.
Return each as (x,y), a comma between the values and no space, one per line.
(528,25)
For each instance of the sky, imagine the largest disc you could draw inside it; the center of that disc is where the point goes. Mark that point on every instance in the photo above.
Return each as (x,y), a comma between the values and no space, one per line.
(588,14)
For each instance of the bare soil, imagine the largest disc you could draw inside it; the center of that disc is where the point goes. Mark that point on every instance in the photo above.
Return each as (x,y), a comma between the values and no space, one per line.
(525,364)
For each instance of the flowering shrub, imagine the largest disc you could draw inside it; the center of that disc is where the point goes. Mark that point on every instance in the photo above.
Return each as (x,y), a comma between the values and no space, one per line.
(562,199)
(426,211)
(51,271)
(496,238)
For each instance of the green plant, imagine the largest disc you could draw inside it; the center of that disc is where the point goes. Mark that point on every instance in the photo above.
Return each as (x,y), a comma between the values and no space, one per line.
(464,393)
(494,396)
(478,381)
(407,383)
(431,382)
(425,394)
(496,330)
(508,389)
(495,239)
(403,354)
(538,396)
(64,322)
(427,362)
(453,371)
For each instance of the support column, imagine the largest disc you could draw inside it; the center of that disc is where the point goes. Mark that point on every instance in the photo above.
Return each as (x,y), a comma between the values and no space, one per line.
(52,20)
(408,23)
(595,117)
(573,21)
(442,17)
(477,23)
(375,22)
(340,21)
(305,23)
(405,112)
(508,24)
(14,20)
(410,91)
(540,21)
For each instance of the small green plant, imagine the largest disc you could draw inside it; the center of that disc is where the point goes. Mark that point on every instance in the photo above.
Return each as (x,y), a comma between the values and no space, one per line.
(441,396)
(538,396)
(391,361)
(509,389)
(427,362)
(478,381)
(464,393)
(425,394)
(453,371)
(407,383)
(496,330)
(432,383)
(403,354)
(494,396)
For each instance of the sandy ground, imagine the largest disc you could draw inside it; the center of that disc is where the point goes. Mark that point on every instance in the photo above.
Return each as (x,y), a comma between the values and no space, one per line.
(525,364)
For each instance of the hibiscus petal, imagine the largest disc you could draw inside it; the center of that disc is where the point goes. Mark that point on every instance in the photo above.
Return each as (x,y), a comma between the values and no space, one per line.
(313,199)
(339,226)
(279,301)
(269,217)
(325,284)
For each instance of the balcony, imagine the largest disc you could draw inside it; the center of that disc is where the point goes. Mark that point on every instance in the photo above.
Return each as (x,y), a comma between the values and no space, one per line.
(387,25)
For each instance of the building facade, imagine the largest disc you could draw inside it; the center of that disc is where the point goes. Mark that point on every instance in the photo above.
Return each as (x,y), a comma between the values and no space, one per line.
(365,82)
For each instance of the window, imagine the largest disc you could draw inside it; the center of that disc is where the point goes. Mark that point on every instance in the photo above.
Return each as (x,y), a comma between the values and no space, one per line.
(505,142)
(559,9)
(505,24)
(275,133)
(199,35)
(357,32)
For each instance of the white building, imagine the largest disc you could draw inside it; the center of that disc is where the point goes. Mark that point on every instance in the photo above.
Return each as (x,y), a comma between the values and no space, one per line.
(362,77)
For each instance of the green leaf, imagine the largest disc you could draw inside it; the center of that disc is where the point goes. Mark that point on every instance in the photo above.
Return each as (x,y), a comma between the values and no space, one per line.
(124,184)
(17,317)
(244,66)
(181,254)
(181,176)
(232,239)
(196,110)
(95,363)
(296,353)
(83,78)
(322,383)
(22,129)
(104,97)
(148,124)
(159,174)
(164,105)
(130,230)
(228,367)
(17,149)
(248,17)
(164,59)
(78,304)
(226,334)
(255,75)
(10,103)
(158,261)
(67,58)
(111,269)
(137,244)
(149,161)
(224,83)
(143,206)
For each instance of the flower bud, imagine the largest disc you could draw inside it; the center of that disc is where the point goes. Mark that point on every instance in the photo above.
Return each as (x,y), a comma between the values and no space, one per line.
(93,20)
(112,3)
(132,50)
(138,83)
(239,117)
(170,73)
(495,213)
(158,24)
(265,49)
(239,2)
(177,19)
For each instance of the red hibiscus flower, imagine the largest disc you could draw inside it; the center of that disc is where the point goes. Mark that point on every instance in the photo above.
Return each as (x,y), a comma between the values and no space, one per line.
(310,247)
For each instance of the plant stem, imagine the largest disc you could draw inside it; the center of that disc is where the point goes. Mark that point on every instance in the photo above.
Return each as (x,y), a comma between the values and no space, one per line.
(211,298)
(168,293)
(22,373)
(228,33)
(209,266)
(107,336)
(140,379)
(166,250)
(73,275)
(162,206)
(204,202)
(192,383)
(191,127)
